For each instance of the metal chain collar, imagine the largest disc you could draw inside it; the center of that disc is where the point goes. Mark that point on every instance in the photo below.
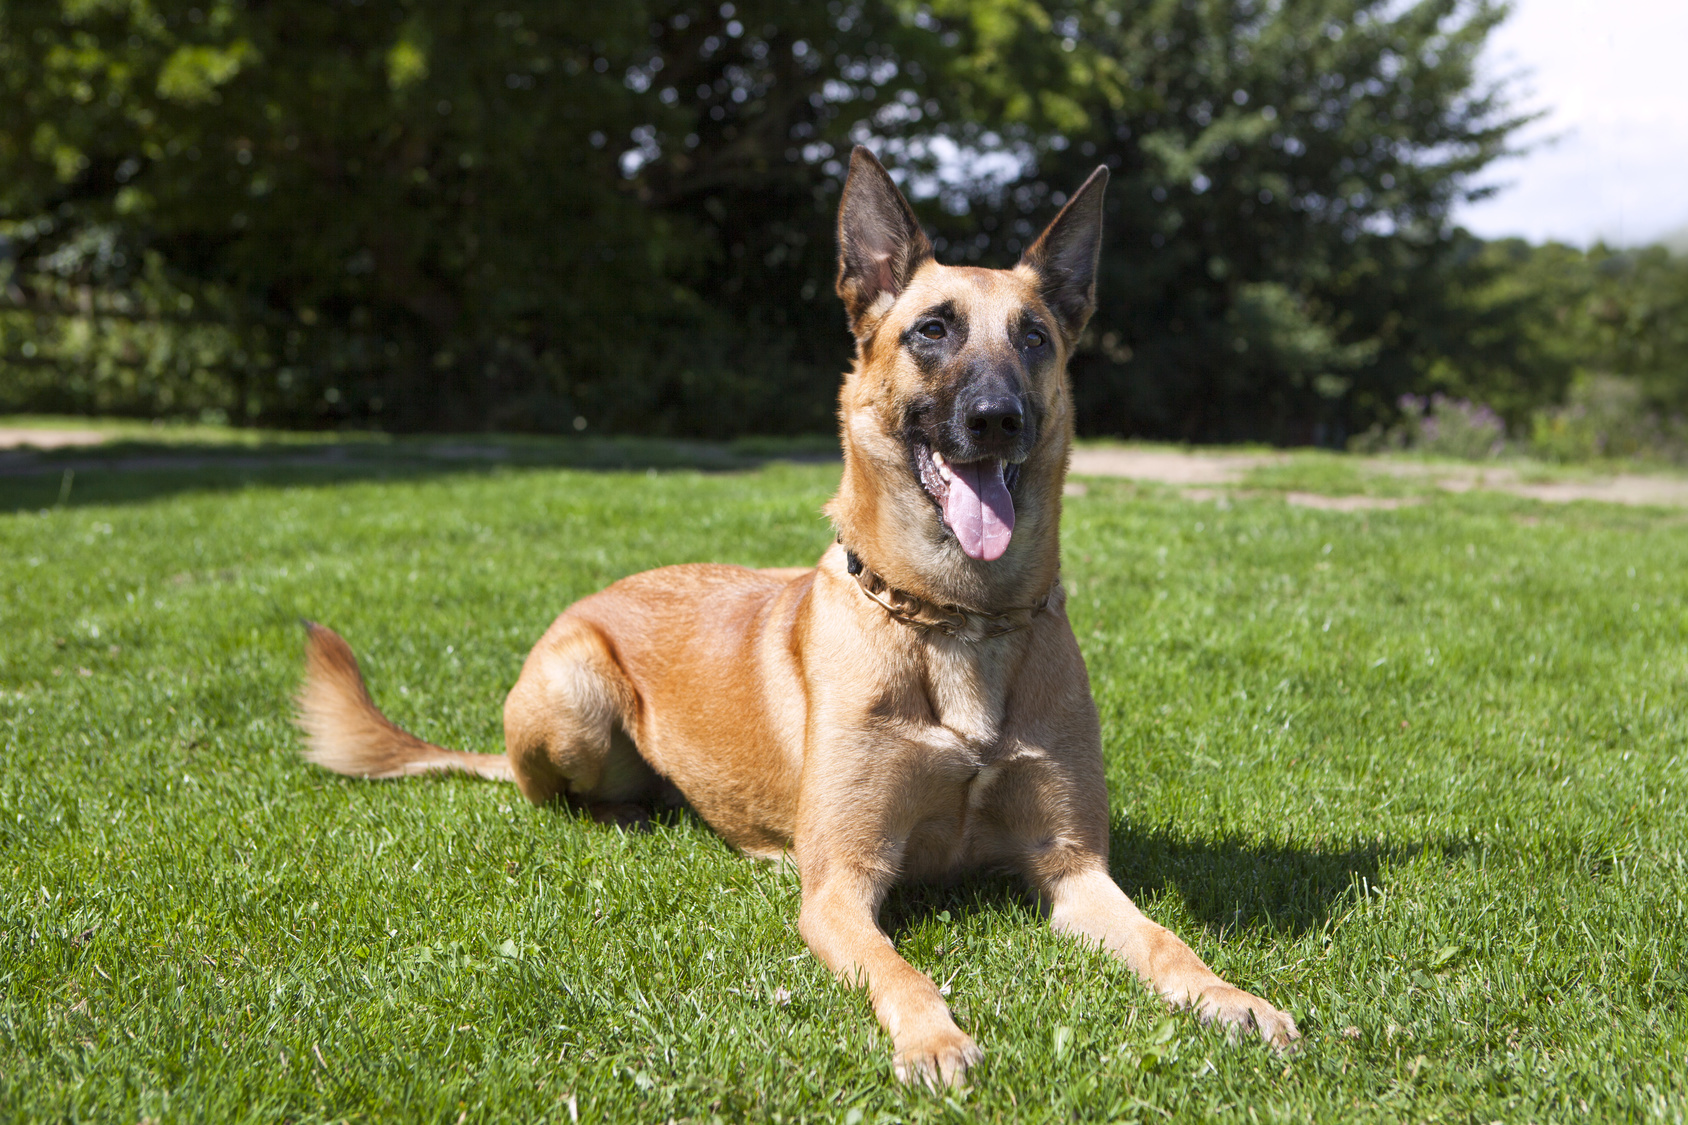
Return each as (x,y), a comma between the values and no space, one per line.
(950,620)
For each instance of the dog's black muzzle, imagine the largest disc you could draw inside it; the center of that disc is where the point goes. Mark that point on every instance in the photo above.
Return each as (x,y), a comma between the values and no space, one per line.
(991,419)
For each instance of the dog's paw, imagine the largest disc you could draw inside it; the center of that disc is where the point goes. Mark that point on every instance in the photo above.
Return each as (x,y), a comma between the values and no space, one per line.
(938,1060)
(1244,1012)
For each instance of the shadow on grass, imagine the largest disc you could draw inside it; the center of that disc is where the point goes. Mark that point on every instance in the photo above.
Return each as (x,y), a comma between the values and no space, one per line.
(911,905)
(1230,885)
(1233,885)
(122,472)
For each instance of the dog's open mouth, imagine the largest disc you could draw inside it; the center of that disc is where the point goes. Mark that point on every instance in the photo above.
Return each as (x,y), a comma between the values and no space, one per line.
(974,498)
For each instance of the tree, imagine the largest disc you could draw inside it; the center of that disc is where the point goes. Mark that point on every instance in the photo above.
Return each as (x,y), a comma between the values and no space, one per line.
(425,214)
(431,214)
(1278,224)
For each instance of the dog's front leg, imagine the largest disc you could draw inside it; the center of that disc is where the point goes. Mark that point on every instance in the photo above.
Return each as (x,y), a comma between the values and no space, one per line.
(1088,903)
(839,922)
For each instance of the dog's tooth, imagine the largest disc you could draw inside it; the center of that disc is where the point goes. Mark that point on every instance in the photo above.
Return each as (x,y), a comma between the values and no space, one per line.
(942,465)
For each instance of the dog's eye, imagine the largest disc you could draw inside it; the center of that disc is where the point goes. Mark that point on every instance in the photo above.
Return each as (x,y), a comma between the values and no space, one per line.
(933,330)
(1035,339)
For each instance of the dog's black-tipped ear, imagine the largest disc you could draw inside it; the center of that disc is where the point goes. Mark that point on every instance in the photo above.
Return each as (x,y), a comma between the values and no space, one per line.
(1065,256)
(880,243)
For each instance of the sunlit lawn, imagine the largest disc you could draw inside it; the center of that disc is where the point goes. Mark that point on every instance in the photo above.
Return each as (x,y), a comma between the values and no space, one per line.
(1416,775)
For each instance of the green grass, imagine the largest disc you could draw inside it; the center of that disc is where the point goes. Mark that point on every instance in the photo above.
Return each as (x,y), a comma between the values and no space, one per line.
(1416,775)
(1407,475)
(1334,474)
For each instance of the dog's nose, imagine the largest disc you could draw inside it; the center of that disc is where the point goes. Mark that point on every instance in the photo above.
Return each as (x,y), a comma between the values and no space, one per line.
(995,416)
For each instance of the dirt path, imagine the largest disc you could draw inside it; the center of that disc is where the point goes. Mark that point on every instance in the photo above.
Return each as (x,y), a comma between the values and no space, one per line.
(1170,466)
(12,438)
(1202,471)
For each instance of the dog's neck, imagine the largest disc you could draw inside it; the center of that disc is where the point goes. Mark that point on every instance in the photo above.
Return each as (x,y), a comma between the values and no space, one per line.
(950,620)
(883,516)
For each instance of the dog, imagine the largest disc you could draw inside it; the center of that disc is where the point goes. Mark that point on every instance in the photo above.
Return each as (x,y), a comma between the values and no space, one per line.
(913,707)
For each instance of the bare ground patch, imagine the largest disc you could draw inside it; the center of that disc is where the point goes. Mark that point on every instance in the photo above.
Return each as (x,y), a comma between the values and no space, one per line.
(1199,471)
(1170,466)
(14,438)
(1349,503)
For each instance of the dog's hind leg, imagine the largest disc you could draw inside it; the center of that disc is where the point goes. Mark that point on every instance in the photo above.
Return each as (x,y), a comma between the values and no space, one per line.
(565,726)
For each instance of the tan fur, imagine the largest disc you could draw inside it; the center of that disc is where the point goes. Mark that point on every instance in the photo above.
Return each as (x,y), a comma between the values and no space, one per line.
(798,718)
(345,732)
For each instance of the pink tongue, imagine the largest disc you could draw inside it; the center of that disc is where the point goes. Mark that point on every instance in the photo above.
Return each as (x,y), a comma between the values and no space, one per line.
(979,509)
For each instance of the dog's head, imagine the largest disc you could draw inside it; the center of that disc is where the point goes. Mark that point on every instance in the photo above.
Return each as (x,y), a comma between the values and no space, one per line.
(956,417)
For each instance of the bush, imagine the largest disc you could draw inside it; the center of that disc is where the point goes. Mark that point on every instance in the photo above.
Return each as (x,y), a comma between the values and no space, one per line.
(1607,416)
(1438,424)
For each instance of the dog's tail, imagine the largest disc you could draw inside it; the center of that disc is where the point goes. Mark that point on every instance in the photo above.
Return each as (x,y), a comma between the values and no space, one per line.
(345,732)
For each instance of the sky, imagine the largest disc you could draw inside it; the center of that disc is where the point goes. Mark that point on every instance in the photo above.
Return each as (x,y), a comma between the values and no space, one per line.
(1611,158)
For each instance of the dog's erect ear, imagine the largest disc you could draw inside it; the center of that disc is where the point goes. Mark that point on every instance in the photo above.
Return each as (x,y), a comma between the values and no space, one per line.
(880,243)
(1066,253)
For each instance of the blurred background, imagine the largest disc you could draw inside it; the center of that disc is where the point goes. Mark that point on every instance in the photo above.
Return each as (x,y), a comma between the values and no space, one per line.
(570,216)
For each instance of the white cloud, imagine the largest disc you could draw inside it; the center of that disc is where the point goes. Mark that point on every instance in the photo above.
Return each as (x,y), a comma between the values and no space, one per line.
(1611,158)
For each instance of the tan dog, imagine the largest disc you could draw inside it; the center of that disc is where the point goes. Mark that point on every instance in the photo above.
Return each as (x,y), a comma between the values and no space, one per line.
(913,707)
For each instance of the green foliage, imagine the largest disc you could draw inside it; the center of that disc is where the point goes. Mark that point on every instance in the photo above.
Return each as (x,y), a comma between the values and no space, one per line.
(1635,322)
(1608,416)
(1584,352)
(1277,224)
(430,215)
(1625,315)
(522,215)
(1414,774)
(1440,426)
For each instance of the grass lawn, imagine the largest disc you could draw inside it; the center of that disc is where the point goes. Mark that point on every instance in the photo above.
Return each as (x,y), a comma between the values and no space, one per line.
(1417,775)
